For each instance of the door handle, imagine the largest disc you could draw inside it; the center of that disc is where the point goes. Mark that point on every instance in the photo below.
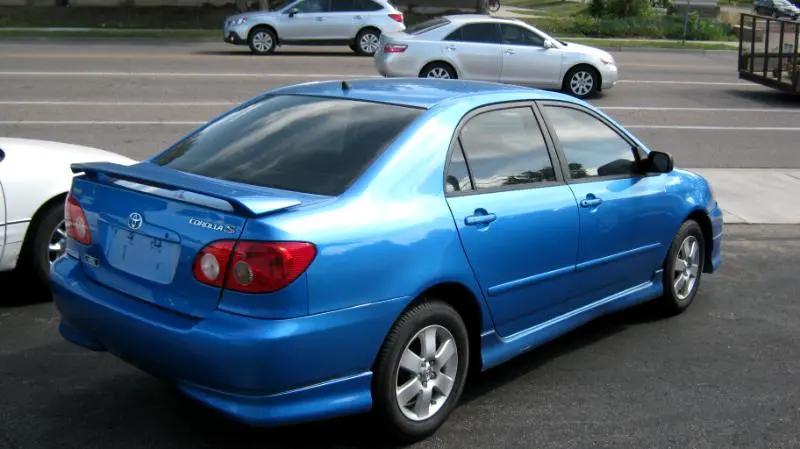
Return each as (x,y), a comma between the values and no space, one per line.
(358,18)
(591,201)
(450,47)
(479,218)
(320,19)
(510,52)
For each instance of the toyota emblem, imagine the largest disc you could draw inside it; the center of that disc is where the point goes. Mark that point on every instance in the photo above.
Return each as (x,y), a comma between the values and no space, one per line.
(135,221)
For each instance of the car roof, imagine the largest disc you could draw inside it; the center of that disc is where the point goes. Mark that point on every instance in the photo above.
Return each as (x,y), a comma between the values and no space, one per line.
(465,18)
(416,92)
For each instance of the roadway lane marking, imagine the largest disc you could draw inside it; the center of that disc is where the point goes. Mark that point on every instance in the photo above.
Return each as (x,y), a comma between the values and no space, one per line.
(690,83)
(189,75)
(715,128)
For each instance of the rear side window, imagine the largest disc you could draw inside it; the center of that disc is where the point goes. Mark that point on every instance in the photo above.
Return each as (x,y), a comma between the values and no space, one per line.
(486,33)
(506,147)
(367,5)
(457,179)
(428,25)
(300,143)
(591,147)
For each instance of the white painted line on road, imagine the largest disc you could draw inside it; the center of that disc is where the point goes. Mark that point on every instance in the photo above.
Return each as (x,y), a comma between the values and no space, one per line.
(668,109)
(190,75)
(102,122)
(690,83)
(113,103)
(715,128)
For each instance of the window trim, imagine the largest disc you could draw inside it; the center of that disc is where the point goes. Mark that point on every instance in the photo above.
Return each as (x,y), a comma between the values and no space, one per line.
(496,28)
(564,164)
(455,141)
(502,42)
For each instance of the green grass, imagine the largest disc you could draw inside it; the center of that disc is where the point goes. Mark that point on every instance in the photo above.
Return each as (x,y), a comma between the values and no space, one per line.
(557,8)
(652,43)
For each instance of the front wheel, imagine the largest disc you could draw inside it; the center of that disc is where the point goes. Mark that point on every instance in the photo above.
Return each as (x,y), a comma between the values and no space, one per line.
(683,268)
(421,370)
(262,41)
(367,42)
(582,82)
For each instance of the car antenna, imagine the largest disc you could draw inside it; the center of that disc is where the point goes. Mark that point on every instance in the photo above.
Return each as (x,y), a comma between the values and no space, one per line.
(345,86)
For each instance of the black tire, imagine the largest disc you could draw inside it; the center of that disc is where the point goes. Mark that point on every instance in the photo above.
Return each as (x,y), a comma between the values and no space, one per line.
(262,41)
(35,257)
(364,48)
(387,370)
(438,67)
(577,80)
(673,301)
(353,47)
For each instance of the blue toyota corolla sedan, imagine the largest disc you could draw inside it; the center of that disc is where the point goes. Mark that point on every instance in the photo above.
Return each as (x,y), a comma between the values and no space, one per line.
(338,247)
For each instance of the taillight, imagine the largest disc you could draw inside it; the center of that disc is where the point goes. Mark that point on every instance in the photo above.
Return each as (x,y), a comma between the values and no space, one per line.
(397,17)
(75,221)
(394,48)
(253,267)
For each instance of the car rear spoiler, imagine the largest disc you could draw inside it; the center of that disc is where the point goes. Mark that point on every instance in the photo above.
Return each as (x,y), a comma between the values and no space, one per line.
(186,187)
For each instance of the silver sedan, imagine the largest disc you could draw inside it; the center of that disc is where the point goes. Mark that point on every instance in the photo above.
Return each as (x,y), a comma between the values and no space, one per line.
(478,47)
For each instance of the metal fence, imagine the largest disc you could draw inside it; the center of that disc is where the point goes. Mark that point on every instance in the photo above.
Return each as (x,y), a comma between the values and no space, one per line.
(768,51)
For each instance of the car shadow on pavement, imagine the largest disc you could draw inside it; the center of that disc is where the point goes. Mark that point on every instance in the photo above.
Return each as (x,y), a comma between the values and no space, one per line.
(772,98)
(246,52)
(18,289)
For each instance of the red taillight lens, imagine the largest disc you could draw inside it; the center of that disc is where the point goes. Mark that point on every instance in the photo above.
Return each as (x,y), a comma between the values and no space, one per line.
(75,221)
(397,17)
(253,267)
(394,48)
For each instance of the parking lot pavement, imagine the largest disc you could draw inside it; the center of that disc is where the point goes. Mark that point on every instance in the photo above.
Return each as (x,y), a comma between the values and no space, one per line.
(137,97)
(723,374)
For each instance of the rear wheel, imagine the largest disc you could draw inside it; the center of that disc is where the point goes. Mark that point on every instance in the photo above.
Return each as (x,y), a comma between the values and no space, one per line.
(438,70)
(421,370)
(683,268)
(367,41)
(582,81)
(262,41)
(45,242)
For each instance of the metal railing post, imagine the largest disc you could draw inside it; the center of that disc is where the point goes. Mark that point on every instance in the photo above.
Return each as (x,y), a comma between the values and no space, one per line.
(780,52)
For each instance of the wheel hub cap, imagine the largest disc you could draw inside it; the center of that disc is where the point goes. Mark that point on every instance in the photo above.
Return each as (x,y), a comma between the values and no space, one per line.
(58,243)
(438,73)
(686,267)
(426,373)
(262,41)
(369,43)
(581,83)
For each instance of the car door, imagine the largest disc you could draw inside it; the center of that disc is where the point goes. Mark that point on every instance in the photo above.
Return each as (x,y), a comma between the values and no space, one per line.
(342,21)
(475,50)
(305,20)
(526,60)
(517,219)
(624,215)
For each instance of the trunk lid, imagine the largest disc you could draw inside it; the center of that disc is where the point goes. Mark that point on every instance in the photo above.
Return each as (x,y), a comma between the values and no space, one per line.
(148,223)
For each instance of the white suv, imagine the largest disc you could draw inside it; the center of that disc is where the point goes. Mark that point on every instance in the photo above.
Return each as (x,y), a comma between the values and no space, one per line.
(357,23)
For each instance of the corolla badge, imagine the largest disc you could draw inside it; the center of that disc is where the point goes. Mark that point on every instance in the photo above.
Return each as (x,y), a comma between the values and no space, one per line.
(230,229)
(135,221)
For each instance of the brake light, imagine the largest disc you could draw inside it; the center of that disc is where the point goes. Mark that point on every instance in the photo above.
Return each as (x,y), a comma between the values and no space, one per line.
(397,17)
(253,267)
(394,48)
(75,221)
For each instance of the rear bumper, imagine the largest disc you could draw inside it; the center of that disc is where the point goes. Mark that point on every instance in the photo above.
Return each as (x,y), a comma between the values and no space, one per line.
(717,232)
(395,65)
(263,372)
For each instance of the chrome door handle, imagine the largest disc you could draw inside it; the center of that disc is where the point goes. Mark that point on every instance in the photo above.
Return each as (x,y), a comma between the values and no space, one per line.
(480,219)
(510,52)
(451,47)
(591,201)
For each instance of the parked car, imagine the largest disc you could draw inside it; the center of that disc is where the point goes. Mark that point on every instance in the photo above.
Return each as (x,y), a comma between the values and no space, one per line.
(477,47)
(35,177)
(357,23)
(331,248)
(777,8)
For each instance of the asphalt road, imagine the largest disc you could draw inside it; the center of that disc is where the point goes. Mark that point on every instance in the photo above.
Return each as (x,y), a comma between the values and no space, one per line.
(724,374)
(137,97)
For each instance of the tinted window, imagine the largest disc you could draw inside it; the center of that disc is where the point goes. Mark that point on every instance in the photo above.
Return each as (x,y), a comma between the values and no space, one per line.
(367,5)
(312,6)
(515,35)
(486,33)
(591,147)
(428,25)
(506,147)
(343,5)
(300,143)
(457,178)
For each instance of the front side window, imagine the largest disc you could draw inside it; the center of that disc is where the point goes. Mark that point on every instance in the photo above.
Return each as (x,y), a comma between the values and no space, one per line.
(505,148)
(292,142)
(312,6)
(591,147)
(485,33)
(516,35)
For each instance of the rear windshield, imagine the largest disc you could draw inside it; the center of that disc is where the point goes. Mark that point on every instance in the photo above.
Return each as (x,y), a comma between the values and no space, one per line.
(300,143)
(428,25)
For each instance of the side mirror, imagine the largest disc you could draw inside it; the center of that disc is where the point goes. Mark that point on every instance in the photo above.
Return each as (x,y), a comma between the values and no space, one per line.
(548,44)
(293,12)
(659,162)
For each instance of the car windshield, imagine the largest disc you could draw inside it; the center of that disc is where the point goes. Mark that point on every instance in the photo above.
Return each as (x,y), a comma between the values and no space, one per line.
(293,142)
(428,25)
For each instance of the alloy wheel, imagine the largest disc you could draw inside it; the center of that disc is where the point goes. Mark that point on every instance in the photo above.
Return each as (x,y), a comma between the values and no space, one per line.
(426,373)
(581,83)
(58,243)
(686,267)
(369,43)
(262,41)
(438,73)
